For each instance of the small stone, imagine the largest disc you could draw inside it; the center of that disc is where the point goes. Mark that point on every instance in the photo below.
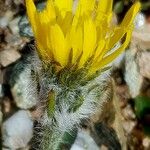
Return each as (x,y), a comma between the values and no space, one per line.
(128,112)
(129,126)
(8,107)
(146,143)
(24,27)
(4,21)
(123,94)
(144,65)
(3,8)
(119,60)
(24,89)
(1,91)
(103,147)
(139,20)
(133,77)
(17,131)
(7,57)
(18,2)
(13,25)
(118,76)
(141,38)
(84,141)
(137,59)
(13,40)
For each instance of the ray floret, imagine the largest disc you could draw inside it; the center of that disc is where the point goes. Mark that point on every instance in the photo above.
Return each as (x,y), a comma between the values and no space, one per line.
(85,33)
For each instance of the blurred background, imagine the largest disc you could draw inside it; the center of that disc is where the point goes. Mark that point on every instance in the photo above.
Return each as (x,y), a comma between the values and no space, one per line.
(131,75)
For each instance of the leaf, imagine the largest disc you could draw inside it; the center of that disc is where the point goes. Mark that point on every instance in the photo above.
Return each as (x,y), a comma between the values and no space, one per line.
(68,138)
(142,104)
(51,103)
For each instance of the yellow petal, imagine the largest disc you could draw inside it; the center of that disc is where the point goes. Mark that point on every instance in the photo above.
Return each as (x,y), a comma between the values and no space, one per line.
(104,12)
(125,25)
(89,42)
(125,28)
(41,28)
(43,44)
(101,43)
(66,23)
(108,59)
(31,11)
(47,15)
(43,52)
(105,6)
(76,42)
(86,6)
(64,6)
(58,42)
(50,10)
(131,14)
(99,50)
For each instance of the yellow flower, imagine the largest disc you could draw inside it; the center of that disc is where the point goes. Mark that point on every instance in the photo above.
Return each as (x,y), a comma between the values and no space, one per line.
(81,34)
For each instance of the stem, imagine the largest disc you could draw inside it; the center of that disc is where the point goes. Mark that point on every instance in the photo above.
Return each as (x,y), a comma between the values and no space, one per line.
(55,140)
(51,139)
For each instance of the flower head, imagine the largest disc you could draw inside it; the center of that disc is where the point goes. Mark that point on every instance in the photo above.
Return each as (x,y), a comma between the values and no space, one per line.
(79,35)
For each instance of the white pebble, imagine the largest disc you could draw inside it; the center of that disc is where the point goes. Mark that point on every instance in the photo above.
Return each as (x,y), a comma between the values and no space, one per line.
(17,131)
(84,141)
